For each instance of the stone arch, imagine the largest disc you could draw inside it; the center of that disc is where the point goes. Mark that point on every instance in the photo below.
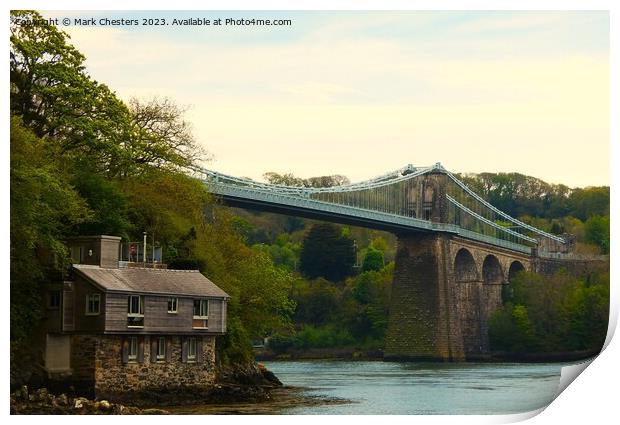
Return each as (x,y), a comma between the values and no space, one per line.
(507,289)
(492,271)
(515,267)
(465,266)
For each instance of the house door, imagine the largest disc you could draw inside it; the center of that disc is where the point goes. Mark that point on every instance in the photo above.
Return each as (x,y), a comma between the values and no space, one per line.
(58,353)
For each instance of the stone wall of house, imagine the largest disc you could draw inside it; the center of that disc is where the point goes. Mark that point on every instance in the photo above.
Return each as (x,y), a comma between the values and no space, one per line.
(115,379)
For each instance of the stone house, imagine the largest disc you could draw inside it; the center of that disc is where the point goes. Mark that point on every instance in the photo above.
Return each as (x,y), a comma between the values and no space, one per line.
(115,328)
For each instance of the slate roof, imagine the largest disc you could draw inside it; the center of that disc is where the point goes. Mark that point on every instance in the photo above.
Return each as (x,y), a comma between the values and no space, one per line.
(151,281)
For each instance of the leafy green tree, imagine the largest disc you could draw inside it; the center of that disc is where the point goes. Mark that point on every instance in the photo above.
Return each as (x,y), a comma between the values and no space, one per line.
(327,253)
(317,301)
(368,317)
(589,201)
(56,98)
(373,260)
(552,314)
(290,180)
(43,207)
(108,202)
(597,232)
(510,329)
(588,310)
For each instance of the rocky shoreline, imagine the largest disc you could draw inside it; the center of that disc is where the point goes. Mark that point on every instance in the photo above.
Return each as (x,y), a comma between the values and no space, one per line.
(251,383)
(41,402)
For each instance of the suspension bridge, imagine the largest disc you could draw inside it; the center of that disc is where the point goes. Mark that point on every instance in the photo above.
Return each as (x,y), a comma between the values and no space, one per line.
(456,253)
(423,199)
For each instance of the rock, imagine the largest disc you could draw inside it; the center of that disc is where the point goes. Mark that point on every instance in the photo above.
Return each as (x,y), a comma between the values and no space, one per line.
(270,377)
(41,395)
(129,410)
(155,412)
(62,400)
(80,402)
(104,405)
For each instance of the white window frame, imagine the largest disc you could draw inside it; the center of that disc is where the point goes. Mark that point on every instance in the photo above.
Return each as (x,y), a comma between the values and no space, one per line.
(175,305)
(135,315)
(93,297)
(191,356)
(140,306)
(132,355)
(160,355)
(203,302)
(203,316)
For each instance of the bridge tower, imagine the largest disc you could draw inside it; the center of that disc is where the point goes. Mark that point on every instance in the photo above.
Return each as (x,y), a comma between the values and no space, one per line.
(422,325)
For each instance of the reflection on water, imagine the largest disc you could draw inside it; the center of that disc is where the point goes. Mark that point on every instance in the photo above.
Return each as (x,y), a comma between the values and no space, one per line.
(421,388)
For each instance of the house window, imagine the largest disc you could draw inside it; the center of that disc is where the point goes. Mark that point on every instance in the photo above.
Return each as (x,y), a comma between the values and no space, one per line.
(191,350)
(161,348)
(201,314)
(53,300)
(135,305)
(93,304)
(135,311)
(172,305)
(132,353)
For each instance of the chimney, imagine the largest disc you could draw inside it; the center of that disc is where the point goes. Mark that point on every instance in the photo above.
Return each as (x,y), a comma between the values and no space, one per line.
(100,250)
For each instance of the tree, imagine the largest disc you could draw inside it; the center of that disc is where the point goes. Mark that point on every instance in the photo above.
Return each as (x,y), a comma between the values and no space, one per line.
(283,179)
(373,260)
(290,180)
(372,292)
(327,253)
(161,137)
(317,301)
(589,201)
(44,207)
(56,98)
(552,314)
(510,329)
(597,232)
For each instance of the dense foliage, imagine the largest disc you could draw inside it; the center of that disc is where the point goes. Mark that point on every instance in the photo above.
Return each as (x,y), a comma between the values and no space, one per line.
(327,252)
(552,314)
(328,315)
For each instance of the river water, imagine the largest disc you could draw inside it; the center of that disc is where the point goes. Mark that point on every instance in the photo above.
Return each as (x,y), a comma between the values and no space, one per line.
(421,388)
(383,388)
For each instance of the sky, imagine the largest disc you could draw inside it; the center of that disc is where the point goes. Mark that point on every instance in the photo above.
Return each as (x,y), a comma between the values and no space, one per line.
(363,93)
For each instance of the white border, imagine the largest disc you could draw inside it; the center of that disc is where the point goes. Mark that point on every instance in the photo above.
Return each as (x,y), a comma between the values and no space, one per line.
(593,397)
